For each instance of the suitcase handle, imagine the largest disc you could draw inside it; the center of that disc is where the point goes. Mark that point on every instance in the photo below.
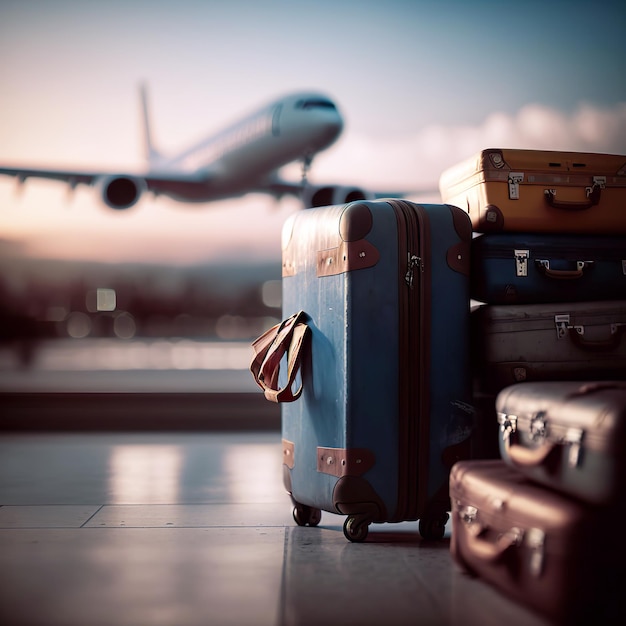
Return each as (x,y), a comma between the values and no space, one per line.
(543,266)
(483,549)
(593,197)
(612,343)
(528,457)
(287,338)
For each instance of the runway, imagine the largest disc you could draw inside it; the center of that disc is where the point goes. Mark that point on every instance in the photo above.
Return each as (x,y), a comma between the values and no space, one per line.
(138,385)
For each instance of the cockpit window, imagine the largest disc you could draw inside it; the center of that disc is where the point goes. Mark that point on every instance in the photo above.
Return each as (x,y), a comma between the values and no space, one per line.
(315,103)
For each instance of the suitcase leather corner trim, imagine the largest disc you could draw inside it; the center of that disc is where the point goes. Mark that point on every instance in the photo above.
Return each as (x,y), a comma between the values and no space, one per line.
(346,248)
(344,462)
(288,453)
(347,257)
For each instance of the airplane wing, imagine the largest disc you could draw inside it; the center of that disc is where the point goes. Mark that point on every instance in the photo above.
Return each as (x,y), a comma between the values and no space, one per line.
(154,182)
(322,195)
(71,177)
(120,191)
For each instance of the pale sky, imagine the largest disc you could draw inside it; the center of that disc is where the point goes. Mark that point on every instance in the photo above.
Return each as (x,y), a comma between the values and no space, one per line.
(420,84)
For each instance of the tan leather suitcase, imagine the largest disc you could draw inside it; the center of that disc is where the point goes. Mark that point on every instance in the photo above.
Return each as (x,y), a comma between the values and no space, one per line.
(540,191)
(543,549)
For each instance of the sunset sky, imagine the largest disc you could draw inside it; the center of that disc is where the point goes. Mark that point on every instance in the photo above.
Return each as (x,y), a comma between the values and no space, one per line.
(420,84)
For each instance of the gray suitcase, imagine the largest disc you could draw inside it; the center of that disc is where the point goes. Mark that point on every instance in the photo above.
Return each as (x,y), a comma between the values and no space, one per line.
(567,435)
(552,341)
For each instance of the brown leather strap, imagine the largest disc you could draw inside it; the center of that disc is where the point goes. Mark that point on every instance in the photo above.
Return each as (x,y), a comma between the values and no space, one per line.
(290,338)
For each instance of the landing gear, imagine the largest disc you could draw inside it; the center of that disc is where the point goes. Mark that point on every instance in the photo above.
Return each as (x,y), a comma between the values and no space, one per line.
(306,166)
(305,515)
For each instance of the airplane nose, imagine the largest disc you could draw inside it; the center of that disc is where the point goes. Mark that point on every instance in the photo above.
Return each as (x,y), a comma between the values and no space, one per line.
(332,126)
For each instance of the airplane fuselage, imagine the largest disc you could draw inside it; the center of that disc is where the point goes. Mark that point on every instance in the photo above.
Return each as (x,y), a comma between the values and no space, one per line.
(244,157)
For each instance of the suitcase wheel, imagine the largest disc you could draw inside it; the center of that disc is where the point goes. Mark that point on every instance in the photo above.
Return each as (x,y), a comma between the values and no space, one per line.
(355,528)
(306,515)
(432,528)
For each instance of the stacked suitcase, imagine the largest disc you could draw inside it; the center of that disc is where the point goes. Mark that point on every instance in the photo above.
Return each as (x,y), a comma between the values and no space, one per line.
(548,275)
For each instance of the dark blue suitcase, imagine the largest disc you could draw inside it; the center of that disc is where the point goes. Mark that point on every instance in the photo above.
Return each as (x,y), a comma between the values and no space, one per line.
(517,268)
(384,409)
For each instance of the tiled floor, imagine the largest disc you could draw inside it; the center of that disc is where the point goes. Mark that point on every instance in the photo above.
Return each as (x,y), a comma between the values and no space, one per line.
(194,528)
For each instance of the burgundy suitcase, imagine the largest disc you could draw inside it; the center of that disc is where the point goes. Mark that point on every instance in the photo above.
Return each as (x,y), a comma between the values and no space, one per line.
(567,435)
(539,547)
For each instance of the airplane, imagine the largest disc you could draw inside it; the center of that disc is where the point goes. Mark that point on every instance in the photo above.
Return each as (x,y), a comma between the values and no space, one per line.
(243,158)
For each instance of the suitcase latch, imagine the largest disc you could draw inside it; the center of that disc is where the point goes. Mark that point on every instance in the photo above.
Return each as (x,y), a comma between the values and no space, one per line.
(521,262)
(515,178)
(538,428)
(598,181)
(535,539)
(508,424)
(562,326)
(573,437)
(468,514)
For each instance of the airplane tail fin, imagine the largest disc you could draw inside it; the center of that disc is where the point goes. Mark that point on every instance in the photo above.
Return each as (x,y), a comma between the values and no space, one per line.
(152,155)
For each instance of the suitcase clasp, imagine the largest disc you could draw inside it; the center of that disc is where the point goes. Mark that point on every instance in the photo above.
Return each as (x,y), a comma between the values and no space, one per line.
(538,428)
(468,514)
(573,437)
(521,262)
(515,178)
(535,539)
(598,182)
(508,424)
(562,326)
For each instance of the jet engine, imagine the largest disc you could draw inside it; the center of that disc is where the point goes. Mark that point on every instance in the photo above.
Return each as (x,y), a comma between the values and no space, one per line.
(331,194)
(121,192)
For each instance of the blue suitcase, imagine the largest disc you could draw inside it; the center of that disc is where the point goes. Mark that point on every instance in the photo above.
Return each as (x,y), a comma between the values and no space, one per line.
(518,268)
(383,404)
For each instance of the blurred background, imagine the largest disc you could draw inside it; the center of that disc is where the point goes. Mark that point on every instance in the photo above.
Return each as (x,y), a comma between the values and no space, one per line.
(184,289)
